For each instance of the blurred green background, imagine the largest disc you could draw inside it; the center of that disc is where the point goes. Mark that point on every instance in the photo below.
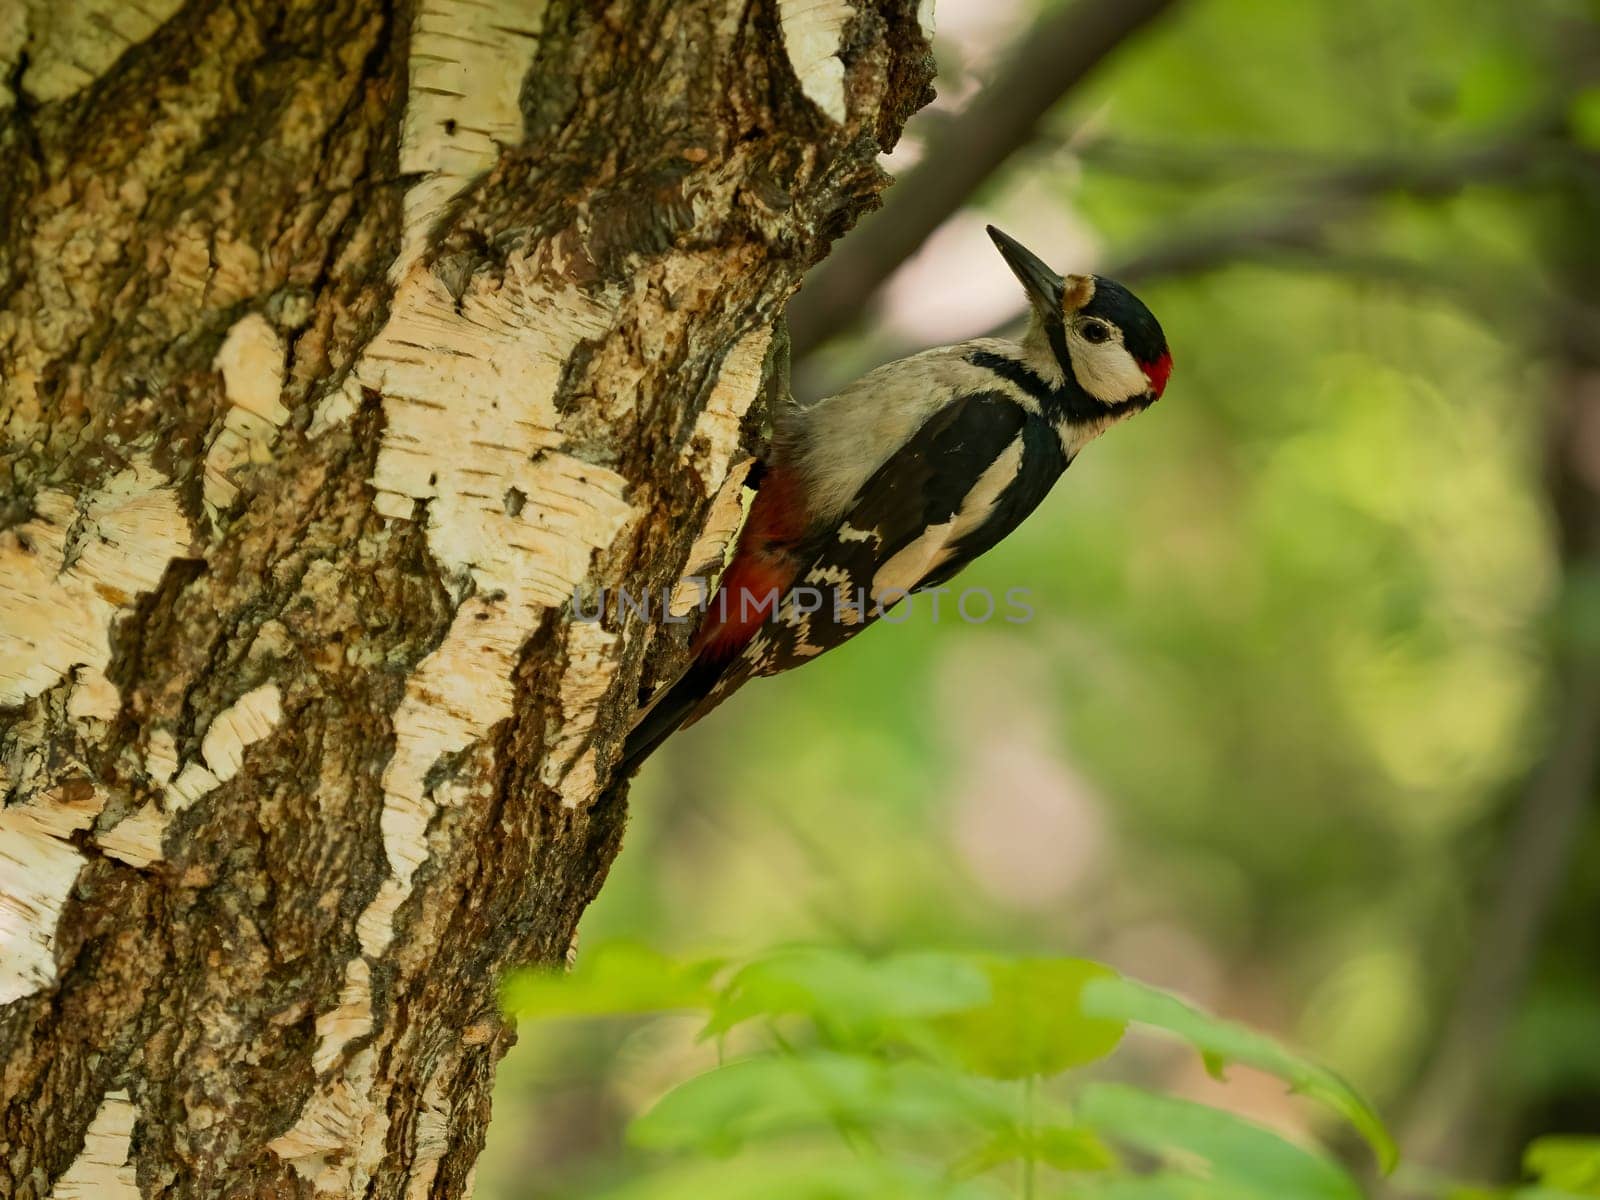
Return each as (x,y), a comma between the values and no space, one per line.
(1304,723)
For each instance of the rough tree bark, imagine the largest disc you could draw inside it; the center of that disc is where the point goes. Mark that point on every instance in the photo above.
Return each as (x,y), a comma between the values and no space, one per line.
(340,342)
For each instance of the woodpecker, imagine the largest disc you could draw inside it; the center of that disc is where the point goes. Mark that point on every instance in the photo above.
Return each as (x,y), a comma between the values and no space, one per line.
(896,483)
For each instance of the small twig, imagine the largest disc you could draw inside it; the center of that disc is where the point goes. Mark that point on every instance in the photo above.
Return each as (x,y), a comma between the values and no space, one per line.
(1030,1087)
(1338,194)
(1453,1125)
(1295,232)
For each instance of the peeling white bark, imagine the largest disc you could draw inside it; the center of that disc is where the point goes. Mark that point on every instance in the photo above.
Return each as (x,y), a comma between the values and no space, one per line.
(251,360)
(813,31)
(471,434)
(469,395)
(337,407)
(710,450)
(137,838)
(243,723)
(71,43)
(469,391)
(102,1170)
(709,554)
(337,1143)
(38,867)
(468,60)
(161,757)
(513,511)
(715,437)
(431,1137)
(591,666)
(66,574)
(340,1026)
(93,696)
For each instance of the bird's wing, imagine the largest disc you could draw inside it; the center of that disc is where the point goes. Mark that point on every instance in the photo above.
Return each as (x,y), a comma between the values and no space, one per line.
(968,477)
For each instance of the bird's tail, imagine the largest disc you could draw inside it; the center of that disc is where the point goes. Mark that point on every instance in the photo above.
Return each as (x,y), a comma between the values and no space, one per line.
(667,710)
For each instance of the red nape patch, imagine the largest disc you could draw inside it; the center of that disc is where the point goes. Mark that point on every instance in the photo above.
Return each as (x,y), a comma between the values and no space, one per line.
(1158,373)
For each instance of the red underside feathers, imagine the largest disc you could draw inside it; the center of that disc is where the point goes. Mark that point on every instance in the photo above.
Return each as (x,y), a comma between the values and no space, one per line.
(761,571)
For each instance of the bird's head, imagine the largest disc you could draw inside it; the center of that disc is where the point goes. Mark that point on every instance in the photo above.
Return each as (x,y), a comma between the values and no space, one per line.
(1099,333)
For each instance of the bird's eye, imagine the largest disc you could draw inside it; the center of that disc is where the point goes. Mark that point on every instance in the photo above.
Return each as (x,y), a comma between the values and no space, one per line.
(1095,332)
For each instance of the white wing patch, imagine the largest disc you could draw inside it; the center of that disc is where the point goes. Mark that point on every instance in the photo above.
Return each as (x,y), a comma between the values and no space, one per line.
(911,565)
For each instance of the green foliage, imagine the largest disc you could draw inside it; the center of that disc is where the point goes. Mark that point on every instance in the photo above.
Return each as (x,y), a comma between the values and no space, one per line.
(1567,1164)
(618,978)
(857,998)
(786,1177)
(1560,1168)
(1246,1158)
(935,1074)
(1026,1027)
(720,1110)
(1586,118)
(1223,1042)
(1062,1147)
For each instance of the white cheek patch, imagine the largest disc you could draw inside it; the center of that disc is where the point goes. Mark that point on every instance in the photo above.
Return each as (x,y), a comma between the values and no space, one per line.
(1107,371)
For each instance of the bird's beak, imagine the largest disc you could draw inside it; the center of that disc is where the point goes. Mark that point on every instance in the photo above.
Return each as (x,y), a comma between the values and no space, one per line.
(1043,285)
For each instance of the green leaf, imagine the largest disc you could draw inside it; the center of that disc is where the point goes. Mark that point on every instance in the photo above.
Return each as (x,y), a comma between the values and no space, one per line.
(1034,1023)
(1222,1042)
(796,1177)
(851,997)
(1568,1163)
(614,979)
(1163,1185)
(1420,1182)
(1237,1151)
(781,1093)
(1585,118)
(1064,1147)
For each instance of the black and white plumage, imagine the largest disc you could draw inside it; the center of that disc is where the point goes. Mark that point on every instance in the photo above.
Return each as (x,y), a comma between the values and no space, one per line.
(896,483)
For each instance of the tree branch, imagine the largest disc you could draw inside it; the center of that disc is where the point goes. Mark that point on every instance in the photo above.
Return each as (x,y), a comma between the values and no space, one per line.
(1335,196)
(1296,230)
(1452,1125)
(1048,62)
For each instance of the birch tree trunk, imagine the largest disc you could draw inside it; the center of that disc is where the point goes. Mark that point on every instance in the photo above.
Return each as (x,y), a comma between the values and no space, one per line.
(341,341)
